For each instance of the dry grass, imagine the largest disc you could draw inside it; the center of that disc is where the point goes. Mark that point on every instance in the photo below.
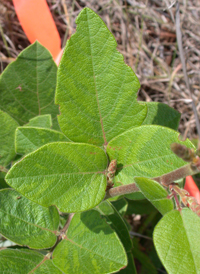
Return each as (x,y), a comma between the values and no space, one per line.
(146,36)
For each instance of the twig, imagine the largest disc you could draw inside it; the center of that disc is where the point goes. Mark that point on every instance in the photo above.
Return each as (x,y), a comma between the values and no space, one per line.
(68,31)
(4,40)
(169,6)
(132,233)
(63,230)
(71,215)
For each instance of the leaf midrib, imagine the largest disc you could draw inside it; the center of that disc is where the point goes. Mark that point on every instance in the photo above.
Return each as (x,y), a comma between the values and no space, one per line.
(90,251)
(98,105)
(42,228)
(148,160)
(59,174)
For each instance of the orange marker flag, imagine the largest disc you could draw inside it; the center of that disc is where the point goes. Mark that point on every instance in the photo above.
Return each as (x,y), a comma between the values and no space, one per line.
(192,188)
(38,24)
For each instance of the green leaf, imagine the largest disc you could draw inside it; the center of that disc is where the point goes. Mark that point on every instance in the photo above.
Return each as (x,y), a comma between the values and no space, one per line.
(155,193)
(27,85)
(121,206)
(68,175)
(139,207)
(28,139)
(47,267)
(113,218)
(2,180)
(161,114)
(177,241)
(135,196)
(7,138)
(145,151)
(63,219)
(43,121)
(130,269)
(90,246)
(96,90)
(25,222)
(146,264)
(24,261)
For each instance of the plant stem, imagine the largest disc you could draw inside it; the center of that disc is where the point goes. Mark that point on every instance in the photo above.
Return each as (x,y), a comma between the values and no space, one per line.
(65,227)
(63,230)
(177,174)
(165,180)
(120,190)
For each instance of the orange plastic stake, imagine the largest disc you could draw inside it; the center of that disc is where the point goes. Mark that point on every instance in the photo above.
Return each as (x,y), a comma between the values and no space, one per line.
(38,24)
(192,188)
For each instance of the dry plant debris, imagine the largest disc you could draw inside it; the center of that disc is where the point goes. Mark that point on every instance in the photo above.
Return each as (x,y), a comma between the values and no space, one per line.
(146,36)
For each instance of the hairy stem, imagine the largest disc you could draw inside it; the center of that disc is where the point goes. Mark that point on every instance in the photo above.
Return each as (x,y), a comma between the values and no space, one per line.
(177,174)
(120,190)
(165,179)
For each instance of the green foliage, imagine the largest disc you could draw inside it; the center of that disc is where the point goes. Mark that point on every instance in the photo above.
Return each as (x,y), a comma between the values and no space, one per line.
(7,133)
(147,266)
(161,114)
(84,244)
(121,206)
(139,207)
(23,261)
(66,169)
(178,232)
(3,183)
(155,193)
(27,85)
(29,138)
(96,90)
(145,151)
(44,121)
(68,175)
(116,222)
(35,226)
